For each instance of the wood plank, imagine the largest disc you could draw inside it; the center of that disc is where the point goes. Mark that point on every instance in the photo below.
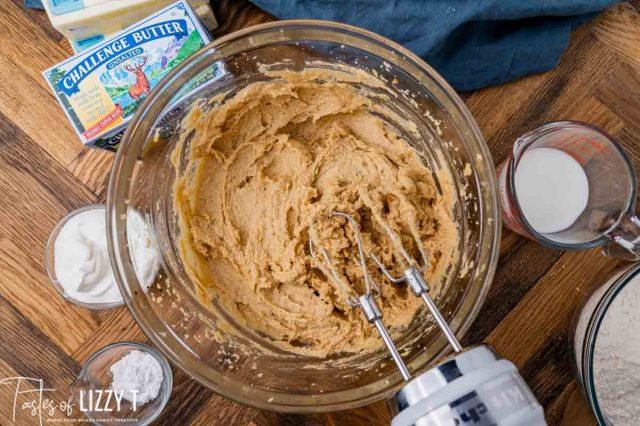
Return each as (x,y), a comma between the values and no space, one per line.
(494,106)
(26,98)
(548,307)
(548,371)
(41,19)
(619,29)
(629,139)
(31,354)
(374,414)
(49,362)
(65,44)
(28,169)
(535,334)
(619,92)
(37,113)
(26,44)
(92,167)
(10,379)
(116,325)
(509,244)
(25,284)
(515,277)
(202,407)
(31,181)
(570,409)
(591,110)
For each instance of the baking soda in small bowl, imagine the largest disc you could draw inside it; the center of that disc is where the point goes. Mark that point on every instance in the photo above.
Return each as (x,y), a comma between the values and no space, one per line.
(123,383)
(137,376)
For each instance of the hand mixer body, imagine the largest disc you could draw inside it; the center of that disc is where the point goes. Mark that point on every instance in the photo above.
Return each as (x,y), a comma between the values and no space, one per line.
(474,387)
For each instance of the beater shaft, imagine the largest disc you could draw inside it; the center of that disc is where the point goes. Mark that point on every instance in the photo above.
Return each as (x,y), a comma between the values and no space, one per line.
(374,316)
(366,301)
(412,275)
(453,341)
(420,288)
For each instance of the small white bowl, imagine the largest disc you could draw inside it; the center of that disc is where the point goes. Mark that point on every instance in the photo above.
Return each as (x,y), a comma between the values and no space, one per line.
(95,375)
(49,260)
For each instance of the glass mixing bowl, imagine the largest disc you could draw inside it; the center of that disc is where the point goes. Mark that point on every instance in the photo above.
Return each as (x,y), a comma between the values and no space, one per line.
(207,343)
(588,321)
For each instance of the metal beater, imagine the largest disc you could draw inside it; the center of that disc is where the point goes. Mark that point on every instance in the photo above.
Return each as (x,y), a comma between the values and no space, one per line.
(475,386)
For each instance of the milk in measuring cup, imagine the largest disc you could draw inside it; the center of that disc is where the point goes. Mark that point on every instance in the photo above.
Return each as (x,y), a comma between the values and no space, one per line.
(552,189)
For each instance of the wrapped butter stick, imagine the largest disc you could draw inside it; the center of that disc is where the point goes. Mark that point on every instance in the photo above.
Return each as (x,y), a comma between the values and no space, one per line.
(88,22)
(101,88)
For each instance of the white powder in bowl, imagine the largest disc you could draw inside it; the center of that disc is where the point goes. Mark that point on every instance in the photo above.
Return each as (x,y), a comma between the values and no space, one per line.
(616,362)
(137,375)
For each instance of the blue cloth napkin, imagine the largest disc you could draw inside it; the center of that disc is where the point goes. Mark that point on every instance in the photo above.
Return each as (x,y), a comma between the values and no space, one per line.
(34,4)
(472,43)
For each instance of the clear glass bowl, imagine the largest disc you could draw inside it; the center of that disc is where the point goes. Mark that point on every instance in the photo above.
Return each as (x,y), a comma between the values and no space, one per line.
(586,325)
(95,376)
(208,344)
(50,259)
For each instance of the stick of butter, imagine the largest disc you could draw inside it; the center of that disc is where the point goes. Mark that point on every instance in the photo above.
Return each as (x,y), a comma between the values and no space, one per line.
(86,22)
(101,88)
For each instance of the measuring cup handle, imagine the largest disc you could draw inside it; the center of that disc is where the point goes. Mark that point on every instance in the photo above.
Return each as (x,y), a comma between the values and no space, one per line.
(625,239)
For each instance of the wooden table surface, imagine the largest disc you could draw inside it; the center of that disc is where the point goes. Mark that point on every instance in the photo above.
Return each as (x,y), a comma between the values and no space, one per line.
(45,172)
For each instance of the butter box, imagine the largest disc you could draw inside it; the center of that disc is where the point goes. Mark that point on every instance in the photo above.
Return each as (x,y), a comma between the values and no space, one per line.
(101,88)
(87,22)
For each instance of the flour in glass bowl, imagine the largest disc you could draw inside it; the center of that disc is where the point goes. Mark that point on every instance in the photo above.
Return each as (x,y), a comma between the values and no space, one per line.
(616,361)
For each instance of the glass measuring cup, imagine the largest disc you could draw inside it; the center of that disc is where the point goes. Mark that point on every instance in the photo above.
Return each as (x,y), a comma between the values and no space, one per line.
(609,218)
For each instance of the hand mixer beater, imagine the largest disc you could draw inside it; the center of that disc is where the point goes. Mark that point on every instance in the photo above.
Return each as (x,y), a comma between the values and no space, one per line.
(472,387)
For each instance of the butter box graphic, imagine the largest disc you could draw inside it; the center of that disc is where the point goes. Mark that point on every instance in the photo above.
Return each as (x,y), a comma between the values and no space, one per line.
(101,88)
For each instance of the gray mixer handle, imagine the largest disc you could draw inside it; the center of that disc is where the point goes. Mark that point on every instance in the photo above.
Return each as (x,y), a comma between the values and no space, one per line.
(475,387)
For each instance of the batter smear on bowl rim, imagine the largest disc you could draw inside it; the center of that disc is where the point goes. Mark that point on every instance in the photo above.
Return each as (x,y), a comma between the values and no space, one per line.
(265,167)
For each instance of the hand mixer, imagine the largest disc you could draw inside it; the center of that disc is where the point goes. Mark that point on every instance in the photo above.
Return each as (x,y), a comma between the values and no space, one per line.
(472,387)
